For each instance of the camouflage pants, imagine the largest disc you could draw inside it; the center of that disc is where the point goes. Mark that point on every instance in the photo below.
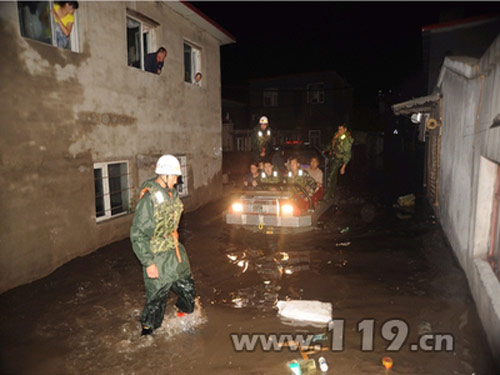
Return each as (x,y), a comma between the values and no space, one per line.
(156,299)
(331,181)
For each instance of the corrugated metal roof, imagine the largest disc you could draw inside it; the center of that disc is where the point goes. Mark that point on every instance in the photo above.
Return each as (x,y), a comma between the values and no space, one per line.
(422,104)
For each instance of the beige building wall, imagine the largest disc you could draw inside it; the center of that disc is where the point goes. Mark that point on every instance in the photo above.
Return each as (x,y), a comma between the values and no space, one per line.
(470,158)
(63,111)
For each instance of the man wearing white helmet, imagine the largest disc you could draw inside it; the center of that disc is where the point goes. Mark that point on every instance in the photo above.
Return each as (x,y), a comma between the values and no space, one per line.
(155,243)
(261,140)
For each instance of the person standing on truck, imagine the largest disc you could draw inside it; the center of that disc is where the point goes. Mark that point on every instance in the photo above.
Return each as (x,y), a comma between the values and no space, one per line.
(339,154)
(261,140)
(155,242)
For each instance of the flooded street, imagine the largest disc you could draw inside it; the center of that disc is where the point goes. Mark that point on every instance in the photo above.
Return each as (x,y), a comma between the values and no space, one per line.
(83,319)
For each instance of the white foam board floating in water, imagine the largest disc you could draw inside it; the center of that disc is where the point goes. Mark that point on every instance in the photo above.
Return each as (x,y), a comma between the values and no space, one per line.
(309,311)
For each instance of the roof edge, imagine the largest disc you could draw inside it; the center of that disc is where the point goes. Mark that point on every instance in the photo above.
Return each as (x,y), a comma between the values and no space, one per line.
(208,19)
(460,22)
(196,16)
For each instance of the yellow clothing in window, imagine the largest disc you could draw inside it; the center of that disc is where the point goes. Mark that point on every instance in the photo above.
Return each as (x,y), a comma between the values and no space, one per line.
(68,18)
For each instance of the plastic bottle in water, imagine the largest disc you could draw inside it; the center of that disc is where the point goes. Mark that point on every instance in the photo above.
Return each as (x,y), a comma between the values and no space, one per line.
(322,364)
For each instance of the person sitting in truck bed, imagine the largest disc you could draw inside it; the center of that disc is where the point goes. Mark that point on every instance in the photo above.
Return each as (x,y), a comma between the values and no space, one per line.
(269,175)
(250,181)
(297,175)
(317,174)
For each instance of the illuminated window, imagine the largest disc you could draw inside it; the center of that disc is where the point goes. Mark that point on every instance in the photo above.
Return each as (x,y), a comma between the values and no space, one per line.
(141,38)
(111,184)
(37,23)
(192,62)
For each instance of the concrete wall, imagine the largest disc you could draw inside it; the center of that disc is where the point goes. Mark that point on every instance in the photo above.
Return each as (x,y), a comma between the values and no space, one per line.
(470,154)
(63,111)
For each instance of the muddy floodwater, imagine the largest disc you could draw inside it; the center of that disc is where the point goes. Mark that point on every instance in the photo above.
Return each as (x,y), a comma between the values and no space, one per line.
(380,277)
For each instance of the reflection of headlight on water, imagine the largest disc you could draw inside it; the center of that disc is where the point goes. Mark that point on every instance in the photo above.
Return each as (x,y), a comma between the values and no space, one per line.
(287,209)
(237,207)
(238,302)
(243,264)
(288,271)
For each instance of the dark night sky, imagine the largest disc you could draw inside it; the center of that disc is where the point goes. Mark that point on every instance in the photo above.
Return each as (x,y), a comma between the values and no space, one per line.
(373,45)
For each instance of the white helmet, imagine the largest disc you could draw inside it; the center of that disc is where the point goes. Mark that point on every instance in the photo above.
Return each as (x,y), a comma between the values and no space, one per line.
(263,120)
(168,165)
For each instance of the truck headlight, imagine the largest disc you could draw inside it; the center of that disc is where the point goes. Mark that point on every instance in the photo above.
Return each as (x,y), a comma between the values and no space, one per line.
(237,207)
(287,209)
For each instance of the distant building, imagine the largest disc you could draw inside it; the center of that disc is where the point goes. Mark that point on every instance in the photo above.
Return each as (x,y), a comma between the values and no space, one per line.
(460,123)
(318,101)
(81,128)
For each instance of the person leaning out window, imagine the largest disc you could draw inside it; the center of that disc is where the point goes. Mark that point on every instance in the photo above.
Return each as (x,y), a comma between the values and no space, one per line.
(64,18)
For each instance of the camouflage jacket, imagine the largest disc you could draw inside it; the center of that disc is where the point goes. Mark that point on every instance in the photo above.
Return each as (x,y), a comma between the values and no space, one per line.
(273,179)
(261,139)
(156,218)
(303,179)
(340,147)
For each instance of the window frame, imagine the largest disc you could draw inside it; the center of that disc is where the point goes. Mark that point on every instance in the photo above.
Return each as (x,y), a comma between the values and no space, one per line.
(494,242)
(183,189)
(270,93)
(106,193)
(198,59)
(151,26)
(74,35)
(316,95)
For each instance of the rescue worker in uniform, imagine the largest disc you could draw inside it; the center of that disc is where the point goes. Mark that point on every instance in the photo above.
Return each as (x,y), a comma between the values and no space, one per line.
(297,175)
(339,153)
(261,140)
(155,242)
(269,175)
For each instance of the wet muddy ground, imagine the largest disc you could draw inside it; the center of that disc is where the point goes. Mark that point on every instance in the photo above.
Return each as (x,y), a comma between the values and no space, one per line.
(83,319)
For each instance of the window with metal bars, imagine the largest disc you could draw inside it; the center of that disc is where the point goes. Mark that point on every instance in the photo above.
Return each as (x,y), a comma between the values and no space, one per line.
(494,243)
(182,182)
(112,189)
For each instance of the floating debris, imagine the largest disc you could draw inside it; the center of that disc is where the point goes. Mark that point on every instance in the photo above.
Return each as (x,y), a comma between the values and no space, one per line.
(243,264)
(407,200)
(387,362)
(342,244)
